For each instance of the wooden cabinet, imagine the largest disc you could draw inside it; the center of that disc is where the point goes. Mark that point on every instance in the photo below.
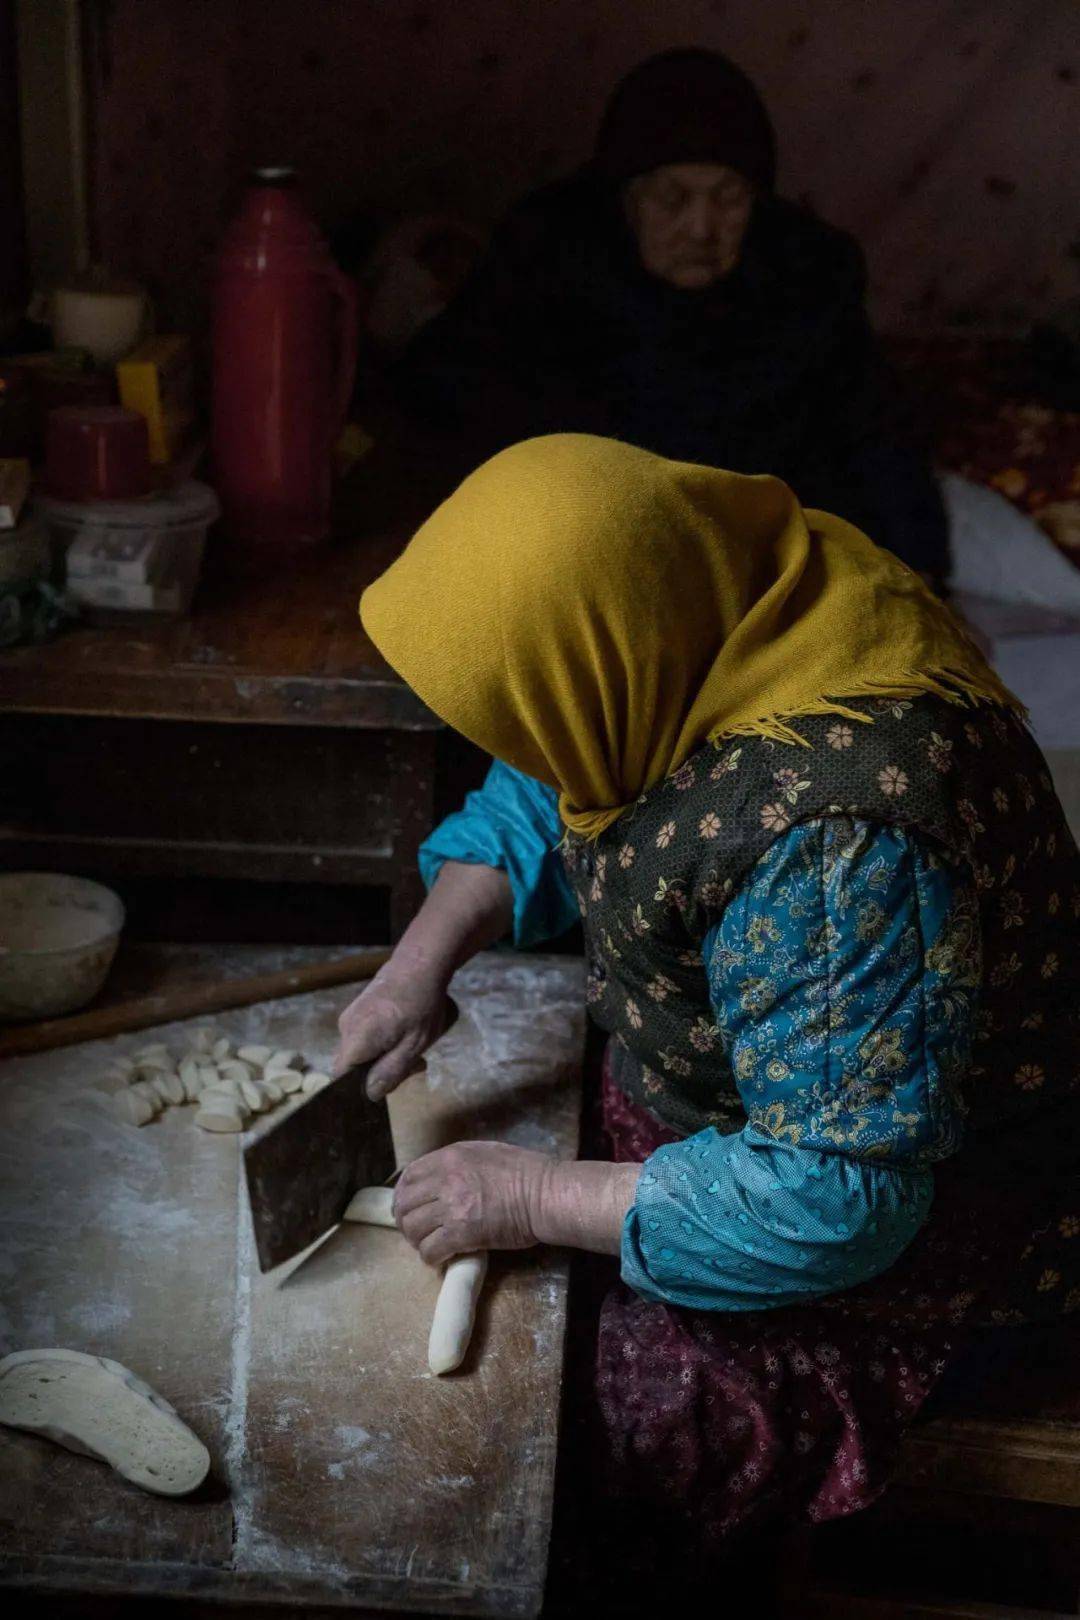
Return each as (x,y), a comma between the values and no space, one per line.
(263,738)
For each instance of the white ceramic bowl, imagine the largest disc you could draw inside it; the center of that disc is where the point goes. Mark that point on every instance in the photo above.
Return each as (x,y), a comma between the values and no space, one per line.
(58,937)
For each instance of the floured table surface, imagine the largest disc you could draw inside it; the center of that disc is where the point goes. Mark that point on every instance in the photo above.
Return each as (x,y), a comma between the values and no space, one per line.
(344,1473)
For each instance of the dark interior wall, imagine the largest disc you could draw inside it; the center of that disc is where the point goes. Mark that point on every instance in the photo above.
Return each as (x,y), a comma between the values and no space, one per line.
(944,132)
(12,262)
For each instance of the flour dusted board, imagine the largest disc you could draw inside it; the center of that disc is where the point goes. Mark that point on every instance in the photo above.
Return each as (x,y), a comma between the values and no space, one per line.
(345,1474)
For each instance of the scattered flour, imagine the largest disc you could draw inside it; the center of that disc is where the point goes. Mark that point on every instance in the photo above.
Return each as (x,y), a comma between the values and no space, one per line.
(351,1436)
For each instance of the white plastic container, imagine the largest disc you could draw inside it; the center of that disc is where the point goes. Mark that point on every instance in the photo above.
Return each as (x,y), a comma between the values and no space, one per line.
(133,559)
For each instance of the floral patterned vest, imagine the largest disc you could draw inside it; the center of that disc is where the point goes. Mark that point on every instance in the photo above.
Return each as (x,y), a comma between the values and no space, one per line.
(654,884)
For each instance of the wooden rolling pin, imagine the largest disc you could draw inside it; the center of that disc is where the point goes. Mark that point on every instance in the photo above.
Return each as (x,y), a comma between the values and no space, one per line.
(188,1001)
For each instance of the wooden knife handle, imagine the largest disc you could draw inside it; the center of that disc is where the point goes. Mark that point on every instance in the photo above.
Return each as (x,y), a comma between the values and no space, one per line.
(189,1001)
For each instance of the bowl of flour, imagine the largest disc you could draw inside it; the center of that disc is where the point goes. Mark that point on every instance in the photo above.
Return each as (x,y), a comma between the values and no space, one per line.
(58,937)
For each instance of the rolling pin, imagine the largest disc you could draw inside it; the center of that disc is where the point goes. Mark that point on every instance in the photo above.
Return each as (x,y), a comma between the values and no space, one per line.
(189,1001)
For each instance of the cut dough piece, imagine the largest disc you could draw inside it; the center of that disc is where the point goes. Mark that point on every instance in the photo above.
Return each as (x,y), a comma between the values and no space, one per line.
(120,1069)
(157,1049)
(372,1206)
(283,1059)
(203,1040)
(455,1312)
(151,1066)
(258,1055)
(233,1069)
(170,1089)
(221,1049)
(112,1083)
(223,1088)
(143,1088)
(272,1090)
(191,1079)
(313,1080)
(134,1109)
(221,1114)
(286,1081)
(255,1096)
(98,1408)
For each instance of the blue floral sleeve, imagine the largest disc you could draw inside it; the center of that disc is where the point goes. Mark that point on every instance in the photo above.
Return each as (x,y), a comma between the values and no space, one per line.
(845,978)
(511,823)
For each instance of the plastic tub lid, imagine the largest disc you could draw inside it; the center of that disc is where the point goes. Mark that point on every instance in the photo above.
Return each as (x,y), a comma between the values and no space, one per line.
(182,507)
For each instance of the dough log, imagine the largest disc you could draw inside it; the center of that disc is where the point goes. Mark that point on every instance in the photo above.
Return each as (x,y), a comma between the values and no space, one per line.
(455,1312)
(373,1206)
(98,1408)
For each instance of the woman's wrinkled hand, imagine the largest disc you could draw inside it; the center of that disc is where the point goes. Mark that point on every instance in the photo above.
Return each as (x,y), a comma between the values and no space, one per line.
(473,1195)
(390,1025)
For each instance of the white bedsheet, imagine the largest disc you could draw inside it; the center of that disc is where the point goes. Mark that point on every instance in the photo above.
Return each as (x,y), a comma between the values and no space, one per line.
(1037,654)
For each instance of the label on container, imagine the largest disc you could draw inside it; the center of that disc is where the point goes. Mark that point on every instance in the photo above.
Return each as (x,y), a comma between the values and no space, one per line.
(134,555)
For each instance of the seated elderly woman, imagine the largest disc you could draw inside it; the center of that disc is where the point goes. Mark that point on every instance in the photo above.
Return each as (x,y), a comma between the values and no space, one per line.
(666,296)
(830,902)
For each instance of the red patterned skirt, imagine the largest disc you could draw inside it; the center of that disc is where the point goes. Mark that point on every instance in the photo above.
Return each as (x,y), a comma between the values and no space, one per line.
(733,1422)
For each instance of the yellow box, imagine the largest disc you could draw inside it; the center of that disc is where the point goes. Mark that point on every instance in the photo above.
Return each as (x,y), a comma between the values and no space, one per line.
(156,380)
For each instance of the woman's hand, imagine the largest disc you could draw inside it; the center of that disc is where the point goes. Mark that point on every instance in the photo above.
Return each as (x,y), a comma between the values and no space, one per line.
(390,1025)
(473,1195)
(403,1010)
(489,1195)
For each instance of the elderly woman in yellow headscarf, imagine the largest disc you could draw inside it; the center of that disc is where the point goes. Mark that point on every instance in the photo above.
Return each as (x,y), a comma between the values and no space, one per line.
(827,893)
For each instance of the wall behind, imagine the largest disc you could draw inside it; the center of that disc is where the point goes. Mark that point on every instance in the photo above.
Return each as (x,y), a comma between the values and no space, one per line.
(945,133)
(12,246)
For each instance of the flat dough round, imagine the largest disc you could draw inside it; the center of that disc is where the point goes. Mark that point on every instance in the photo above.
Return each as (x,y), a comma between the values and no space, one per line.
(100,1409)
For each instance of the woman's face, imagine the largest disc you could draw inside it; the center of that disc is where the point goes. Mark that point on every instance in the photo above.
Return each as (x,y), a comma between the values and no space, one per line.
(690,220)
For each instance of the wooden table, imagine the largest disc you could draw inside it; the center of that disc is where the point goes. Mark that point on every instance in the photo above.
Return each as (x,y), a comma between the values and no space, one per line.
(344,1474)
(262,738)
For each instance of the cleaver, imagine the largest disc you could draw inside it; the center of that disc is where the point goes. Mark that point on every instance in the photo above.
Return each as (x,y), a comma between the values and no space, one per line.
(302,1171)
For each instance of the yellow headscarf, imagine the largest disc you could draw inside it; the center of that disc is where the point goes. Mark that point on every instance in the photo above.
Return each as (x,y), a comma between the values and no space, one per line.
(591,614)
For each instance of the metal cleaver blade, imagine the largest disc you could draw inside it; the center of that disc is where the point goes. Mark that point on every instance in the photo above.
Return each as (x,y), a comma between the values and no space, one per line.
(302,1171)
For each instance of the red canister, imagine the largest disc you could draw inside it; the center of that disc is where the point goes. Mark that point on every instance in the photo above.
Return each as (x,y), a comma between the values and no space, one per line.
(97,453)
(284,358)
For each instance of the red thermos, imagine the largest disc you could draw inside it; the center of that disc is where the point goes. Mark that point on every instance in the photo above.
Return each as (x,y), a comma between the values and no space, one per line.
(284,358)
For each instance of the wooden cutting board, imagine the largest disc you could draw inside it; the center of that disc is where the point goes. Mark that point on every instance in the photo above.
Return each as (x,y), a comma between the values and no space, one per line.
(344,1473)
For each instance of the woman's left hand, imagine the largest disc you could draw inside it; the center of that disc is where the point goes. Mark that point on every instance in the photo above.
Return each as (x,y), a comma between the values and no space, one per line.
(473,1195)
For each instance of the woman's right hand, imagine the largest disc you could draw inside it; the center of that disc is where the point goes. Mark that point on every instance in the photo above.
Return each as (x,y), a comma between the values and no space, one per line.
(390,1025)
(405,1009)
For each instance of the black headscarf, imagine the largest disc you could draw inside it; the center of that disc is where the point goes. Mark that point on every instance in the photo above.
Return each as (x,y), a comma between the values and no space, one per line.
(686,106)
(773,369)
